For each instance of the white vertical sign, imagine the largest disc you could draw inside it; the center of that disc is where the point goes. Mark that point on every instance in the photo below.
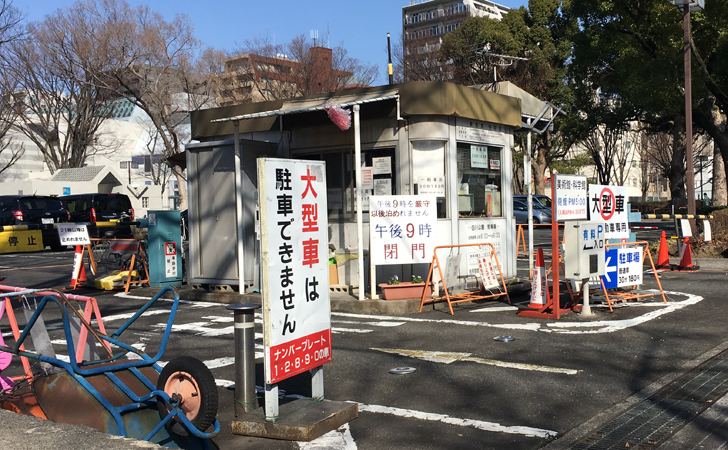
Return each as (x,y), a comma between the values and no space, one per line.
(609,204)
(294,243)
(570,198)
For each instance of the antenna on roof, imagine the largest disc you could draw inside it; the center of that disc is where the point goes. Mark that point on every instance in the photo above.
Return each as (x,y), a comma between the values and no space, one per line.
(314,36)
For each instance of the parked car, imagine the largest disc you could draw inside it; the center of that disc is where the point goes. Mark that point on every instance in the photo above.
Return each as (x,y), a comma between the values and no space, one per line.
(25,209)
(541,214)
(98,207)
(34,209)
(543,200)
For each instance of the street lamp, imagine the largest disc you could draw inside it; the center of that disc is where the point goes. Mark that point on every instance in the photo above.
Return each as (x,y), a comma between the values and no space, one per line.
(687,6)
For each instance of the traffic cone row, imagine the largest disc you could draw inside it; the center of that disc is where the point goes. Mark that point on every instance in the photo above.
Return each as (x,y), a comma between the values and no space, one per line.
(539,286)
(686,257)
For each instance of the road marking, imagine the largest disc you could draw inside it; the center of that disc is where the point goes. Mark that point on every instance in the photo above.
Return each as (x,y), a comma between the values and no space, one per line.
(450,357)
(349,330)
(339,439)
(444,418)
(496,309)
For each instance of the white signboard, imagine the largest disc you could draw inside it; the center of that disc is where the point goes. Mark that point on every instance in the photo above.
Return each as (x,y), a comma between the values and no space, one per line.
(402,229)
(479,156)
(171,268)
(367,179)
(72,234)
(685,230)
(383,186)
(431,186)
(495,164)
(478,231)
(294,243)
(570,198)
(382,166)
(488,270)
(452,270)
(584,247)
(707,235)
(608,204)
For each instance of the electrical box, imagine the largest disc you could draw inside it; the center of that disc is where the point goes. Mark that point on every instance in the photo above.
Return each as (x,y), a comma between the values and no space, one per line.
(584,247)
(164,247)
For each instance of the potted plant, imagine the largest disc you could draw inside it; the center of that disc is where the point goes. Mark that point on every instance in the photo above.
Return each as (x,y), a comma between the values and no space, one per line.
(394,289)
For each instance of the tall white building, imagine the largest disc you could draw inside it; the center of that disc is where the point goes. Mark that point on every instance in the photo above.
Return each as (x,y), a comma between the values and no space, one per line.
(424,23)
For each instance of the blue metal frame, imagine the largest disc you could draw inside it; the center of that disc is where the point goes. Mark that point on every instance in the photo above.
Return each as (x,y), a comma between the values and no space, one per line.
(79,371)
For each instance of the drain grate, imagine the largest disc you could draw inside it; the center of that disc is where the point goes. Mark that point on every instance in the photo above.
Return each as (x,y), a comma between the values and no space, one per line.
(651,421)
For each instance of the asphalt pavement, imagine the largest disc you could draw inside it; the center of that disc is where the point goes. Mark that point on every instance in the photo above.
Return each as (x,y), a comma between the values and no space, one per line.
(570,383)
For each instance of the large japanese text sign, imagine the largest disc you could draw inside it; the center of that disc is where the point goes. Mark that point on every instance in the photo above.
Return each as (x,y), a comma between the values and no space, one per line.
(402,228)
(294,250)
(570,196)
(609,204)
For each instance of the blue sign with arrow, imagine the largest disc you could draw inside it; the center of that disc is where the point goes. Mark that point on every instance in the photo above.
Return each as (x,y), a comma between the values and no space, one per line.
(611,270)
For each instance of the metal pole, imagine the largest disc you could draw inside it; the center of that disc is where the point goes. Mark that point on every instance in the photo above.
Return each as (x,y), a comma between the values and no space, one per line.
(359,214)
(244,356)
(239,207)
(586,308)
(690,176)
(389,66)
(527,164)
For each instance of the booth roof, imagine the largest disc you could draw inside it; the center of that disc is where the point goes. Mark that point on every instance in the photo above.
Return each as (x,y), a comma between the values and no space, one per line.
(415,98)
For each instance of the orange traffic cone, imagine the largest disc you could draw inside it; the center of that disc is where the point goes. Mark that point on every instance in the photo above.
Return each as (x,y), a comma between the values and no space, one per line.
(539,285)
(663,257)
(77,267)
(686,260)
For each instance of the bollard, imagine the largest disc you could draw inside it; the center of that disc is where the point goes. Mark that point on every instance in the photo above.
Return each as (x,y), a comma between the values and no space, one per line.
(244,356)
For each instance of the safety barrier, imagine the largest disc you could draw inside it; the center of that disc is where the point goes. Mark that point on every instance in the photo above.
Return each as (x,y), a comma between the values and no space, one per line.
(676,216)
(132,246)
(30,237)
(91,309)
(465,296)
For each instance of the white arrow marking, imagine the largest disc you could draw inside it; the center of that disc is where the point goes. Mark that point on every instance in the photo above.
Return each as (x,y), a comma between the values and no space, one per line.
(607,272)
(450,357)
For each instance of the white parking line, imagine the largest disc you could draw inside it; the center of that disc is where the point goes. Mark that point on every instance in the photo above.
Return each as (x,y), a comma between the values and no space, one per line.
(444,418)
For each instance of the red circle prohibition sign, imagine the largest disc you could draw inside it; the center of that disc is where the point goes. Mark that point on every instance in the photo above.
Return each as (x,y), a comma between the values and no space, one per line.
(607,191)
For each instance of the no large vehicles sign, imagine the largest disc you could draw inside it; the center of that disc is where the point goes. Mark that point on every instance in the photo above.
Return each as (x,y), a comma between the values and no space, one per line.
(609,204)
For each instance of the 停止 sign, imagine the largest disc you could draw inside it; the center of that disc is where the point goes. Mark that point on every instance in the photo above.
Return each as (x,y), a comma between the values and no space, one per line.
(570,193)
(608,204)
(294,243)
(402,228)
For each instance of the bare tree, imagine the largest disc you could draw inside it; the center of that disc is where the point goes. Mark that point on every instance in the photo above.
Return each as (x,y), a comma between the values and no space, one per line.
(54,105)
(10,31)
(154,64)
(601,144)
(418,60)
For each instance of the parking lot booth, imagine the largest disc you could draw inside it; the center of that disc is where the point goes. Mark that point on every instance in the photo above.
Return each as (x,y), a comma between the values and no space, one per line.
(418,138)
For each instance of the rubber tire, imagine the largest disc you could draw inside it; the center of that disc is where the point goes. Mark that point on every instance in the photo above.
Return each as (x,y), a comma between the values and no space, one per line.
(536,221)
(207,390)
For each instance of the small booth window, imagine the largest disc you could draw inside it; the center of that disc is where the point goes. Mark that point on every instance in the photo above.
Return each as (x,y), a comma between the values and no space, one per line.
(479,180)
(428,172)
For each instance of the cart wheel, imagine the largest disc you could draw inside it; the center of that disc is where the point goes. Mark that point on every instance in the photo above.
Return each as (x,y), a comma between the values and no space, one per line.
(193,382)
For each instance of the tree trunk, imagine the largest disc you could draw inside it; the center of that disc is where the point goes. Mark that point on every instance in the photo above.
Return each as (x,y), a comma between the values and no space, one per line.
(677,165)
(539,165)
(181,187)
(720,189)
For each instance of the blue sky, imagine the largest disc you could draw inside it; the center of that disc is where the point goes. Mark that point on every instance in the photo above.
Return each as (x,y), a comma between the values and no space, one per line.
(359,26)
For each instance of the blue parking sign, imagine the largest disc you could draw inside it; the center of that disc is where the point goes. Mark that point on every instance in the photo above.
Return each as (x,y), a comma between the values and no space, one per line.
(610,265)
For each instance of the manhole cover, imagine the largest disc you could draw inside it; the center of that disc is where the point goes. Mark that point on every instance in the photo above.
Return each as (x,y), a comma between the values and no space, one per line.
(504,338)
(402,370)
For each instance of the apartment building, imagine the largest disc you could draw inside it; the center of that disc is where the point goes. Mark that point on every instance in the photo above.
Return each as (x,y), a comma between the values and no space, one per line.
(250,78)
(424,23)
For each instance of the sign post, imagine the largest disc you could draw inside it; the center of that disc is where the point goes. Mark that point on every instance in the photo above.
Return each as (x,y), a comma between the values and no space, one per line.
(294,244)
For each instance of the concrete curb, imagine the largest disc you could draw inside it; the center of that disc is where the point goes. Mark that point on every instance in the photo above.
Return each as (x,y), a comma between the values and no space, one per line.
(32,433)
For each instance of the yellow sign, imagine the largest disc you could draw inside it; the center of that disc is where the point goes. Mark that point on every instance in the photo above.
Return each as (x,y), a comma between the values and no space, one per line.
(21,241)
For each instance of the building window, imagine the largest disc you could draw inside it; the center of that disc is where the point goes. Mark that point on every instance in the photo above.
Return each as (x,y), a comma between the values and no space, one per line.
(124,165)
(428,172)
(479,180)
(145,202)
